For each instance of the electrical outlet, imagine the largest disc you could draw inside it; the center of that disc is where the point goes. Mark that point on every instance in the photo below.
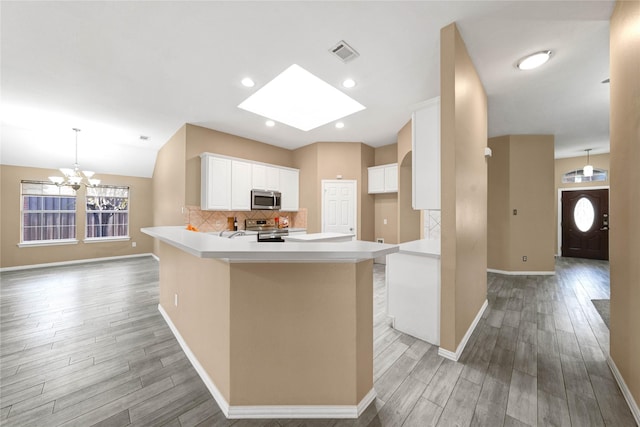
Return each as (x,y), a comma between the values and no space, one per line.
(175,299)
(384,221)
(524,258)
(380,240)
(133,244)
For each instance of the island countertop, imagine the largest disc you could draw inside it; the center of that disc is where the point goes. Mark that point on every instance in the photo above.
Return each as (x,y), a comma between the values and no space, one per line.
(205,245)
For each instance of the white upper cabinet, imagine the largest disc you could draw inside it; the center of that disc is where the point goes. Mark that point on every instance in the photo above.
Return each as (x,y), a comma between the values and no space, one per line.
(227,183)
(240,185)
(290,189)
(259,176)
(215,186)
(383,179)
(273,178)
(425,124)
(265,177)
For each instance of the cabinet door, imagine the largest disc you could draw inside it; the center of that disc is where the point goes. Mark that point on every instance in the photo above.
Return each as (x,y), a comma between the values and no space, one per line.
(425,126)
(215,183)
(240,186)
(290,189)
(259,177)
(376,180)
(273,178)
(391,179)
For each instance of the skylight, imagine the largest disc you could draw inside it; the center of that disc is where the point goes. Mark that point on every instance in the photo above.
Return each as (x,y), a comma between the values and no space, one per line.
(299,99)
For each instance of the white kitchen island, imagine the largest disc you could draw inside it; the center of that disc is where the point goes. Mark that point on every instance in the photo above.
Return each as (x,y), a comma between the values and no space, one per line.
(413,289)
(275,330)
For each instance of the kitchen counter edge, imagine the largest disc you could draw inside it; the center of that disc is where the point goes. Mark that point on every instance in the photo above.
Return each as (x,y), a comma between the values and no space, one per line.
(203,245)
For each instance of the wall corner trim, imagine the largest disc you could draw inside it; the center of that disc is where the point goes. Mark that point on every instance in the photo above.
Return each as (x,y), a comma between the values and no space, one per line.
(267,411)
(456,356)
(156,257)
(633,406)
(521,273)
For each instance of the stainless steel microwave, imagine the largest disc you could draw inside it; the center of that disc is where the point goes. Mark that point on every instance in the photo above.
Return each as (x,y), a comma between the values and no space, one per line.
(265,200)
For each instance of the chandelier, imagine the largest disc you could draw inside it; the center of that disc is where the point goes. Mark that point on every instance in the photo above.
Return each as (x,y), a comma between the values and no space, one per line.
(75,177)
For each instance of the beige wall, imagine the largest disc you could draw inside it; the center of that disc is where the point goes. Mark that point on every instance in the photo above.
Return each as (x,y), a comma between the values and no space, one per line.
(386,205)
(367,201)
(624,243)
(521,177)
(498,214)
(169,187)
(386,154)
(141,215)
(269,340)
(599,161)
(408,219)
(200,140)
(306,159)
(328,160)
(464,190)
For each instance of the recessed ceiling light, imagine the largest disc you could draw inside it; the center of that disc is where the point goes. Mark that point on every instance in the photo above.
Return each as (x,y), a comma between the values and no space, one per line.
(339,125)
(534,60)
(247,82)
(299,99)
(270,123)
(349,83)
(144,137)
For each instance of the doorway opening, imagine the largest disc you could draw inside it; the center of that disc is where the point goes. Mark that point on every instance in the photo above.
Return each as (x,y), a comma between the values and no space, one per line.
(339,207)
(583,230)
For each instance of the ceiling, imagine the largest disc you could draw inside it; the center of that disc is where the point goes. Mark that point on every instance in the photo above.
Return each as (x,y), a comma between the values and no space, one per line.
(119,70)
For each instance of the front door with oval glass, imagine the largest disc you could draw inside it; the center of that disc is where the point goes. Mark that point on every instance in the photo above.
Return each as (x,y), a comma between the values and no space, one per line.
(585,224)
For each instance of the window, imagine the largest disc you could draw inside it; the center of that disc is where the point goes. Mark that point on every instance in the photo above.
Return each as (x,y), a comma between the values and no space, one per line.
(107,212)
(584,214)
(578,176)
(48,212)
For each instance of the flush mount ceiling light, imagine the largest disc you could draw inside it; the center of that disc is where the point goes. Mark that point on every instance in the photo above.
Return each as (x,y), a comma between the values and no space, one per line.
(339,125)
(301,100)
(270,123)
(349,83)
(247,82)
(534,60)
(74,178)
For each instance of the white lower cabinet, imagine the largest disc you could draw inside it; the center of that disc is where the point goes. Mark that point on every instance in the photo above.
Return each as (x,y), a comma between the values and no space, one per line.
(413,290)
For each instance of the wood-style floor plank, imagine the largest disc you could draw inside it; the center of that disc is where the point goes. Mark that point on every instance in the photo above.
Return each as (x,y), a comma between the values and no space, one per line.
(85,345)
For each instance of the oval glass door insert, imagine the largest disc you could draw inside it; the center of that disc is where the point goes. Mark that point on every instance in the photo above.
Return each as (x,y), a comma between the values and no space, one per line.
(584,214)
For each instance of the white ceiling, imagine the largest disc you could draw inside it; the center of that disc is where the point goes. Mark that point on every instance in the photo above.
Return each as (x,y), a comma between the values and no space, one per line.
(119,70)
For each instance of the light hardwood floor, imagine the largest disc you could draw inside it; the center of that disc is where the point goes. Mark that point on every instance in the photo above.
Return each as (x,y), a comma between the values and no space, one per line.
(85,345)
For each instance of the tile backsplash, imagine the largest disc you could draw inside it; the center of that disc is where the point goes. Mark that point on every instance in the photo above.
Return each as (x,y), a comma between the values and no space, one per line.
(432,224)
(208,221)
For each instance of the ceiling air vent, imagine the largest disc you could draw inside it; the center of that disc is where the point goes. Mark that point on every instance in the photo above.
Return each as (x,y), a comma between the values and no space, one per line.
(343,51)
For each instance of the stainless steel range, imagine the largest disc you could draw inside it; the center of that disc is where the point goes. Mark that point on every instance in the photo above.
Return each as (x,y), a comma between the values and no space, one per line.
(267,230)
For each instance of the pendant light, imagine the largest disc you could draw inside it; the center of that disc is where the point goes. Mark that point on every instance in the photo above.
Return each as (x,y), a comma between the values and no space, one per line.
(588,169)
(74,178)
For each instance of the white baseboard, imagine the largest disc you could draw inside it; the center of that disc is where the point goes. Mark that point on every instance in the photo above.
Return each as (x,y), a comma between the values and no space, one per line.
(156,257)
(521,273)
(72,262)
(267,411)
(447,354)
(217,396)
(633,406)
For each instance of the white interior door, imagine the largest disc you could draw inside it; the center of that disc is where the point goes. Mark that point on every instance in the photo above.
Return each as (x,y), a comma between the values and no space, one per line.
(339,206)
